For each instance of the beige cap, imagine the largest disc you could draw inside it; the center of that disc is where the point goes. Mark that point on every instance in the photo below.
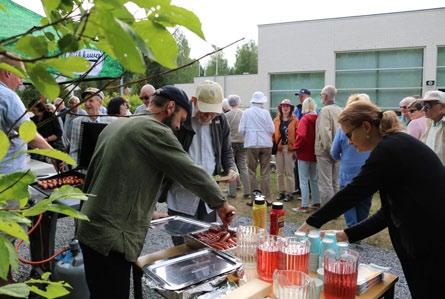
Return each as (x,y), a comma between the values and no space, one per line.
(93,90)
(434,95)
(209,97)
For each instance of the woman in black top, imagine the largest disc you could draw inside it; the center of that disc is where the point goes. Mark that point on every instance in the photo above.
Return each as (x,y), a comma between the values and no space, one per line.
(47,125)
(410,179)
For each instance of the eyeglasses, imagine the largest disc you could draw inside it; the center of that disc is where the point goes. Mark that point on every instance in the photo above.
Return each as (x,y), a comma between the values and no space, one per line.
(144,98)
(429,105)
(403,107)
(349,134)
(413,110)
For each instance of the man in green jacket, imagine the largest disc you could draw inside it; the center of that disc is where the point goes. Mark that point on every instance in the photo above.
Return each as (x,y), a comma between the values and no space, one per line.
(131,158)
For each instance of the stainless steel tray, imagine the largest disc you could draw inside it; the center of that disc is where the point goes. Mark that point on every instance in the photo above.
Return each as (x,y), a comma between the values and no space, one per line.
(183,271)
(192,241)
(178,225)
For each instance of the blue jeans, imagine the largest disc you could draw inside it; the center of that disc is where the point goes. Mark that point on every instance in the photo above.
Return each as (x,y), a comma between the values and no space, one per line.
(308,176)
(359,212)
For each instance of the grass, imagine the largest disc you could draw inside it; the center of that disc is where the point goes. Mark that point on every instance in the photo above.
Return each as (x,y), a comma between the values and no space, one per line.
(381,239)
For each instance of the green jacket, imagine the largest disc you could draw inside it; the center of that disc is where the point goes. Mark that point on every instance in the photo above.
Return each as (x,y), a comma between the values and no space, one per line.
(131,158)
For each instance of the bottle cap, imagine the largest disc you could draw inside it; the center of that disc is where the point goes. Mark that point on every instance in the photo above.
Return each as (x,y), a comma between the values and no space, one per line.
(277,205)
(260,201)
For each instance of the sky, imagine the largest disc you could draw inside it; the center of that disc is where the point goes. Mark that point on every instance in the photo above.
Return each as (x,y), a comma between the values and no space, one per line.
(226,21)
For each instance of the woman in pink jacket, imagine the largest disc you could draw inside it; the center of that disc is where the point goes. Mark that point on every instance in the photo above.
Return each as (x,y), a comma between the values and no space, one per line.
(307,164)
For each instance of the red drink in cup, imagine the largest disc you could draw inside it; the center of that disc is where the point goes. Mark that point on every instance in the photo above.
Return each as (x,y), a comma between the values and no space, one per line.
(268,255)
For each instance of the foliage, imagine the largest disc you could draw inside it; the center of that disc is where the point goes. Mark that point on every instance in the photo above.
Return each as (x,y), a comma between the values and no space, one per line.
(218,65)
(71,25)
(246,59)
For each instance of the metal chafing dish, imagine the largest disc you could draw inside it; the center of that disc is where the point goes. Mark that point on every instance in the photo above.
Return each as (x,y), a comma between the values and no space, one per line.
(180,272)
(178,225)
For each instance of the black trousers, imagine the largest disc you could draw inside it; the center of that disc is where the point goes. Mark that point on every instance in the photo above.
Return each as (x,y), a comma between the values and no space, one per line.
(107,276)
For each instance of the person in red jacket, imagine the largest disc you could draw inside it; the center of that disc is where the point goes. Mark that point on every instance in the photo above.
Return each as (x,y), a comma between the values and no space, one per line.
(305,150)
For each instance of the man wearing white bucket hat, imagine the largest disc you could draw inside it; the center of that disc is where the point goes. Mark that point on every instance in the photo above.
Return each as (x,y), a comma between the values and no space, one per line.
(257,127)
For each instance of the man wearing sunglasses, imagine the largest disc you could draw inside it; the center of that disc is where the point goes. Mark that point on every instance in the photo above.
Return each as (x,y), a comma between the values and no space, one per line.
(147,91)
(434,107)
(405,117)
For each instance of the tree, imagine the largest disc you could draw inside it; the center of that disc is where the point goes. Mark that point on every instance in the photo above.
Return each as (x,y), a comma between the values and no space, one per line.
(71,25)
(218,65)
(246,59)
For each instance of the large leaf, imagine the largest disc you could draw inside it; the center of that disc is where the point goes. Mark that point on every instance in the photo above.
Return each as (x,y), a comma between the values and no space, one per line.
(67,192)
(28,131)
(14,186)
(11,253)
(13,229)
(161,43)
(42,80)
(50,5)
(69,65)
(172,15)
(17,290)
(34,46)
(53,289)
(12,216)
(67,210)
(118,41)
(68,43)
(55,154)
(38,208)
(4,145)
(12,69)
(4,259)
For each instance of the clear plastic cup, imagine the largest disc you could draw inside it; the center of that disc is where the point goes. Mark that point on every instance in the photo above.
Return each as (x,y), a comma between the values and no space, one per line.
(340,274)
(268,256)
(248,238)
(291,284)
(294,254)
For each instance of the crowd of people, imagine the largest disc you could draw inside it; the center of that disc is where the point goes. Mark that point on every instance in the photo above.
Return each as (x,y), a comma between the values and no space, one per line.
(337,158)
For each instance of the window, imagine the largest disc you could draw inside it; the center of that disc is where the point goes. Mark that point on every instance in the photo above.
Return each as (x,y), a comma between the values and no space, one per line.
(284,86)
(440,67)
(386,76)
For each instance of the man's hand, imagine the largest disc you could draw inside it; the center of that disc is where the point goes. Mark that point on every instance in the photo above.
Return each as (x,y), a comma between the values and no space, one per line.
(159,215)
(226,213)
(232,176)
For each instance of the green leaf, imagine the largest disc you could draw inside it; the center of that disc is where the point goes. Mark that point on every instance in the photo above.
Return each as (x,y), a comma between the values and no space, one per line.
(160,41)
(46,275)
(55,154)
(67,210)
(2,7)
(12,254)
(49,36)
(34,46)
(13,216)
(38,208)
(118,41)
(68,43)
(53,289)
(69,65)
(28,131)
(14,186)
(175,15)
(4,145)
(4,259)
(67,192)
(13,229)
(49,6)
(17,290)
(42,80)
(12,69)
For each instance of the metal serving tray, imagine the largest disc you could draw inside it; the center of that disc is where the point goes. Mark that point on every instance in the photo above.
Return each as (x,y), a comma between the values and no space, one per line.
(179,226)
(183,271)
(192,241)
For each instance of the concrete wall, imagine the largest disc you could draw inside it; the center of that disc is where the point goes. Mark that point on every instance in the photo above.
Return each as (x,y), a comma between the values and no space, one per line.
(311,45)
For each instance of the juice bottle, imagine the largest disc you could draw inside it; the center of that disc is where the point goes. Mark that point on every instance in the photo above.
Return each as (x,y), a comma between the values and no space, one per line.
(277,219)
(259,211)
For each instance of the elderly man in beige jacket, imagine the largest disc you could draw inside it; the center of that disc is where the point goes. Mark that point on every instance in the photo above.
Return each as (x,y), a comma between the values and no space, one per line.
(326,126)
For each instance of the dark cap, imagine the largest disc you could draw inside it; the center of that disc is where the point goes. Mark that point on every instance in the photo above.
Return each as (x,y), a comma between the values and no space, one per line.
(303,91)
(175,94)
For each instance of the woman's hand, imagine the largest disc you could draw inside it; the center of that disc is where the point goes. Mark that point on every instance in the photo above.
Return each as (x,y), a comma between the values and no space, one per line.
(339,234)
(305,228)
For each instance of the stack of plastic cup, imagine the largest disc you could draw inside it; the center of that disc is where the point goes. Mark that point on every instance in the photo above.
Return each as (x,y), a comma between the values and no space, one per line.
(300,235)
(326,244)
(314,239)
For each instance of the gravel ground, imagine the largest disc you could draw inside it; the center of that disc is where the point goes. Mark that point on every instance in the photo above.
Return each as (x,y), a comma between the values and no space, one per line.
(157,240)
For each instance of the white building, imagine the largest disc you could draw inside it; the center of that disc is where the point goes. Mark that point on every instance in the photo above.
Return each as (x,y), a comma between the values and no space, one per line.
(388,56)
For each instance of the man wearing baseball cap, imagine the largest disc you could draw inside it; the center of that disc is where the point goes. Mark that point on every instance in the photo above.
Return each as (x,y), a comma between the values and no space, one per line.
(302,95)
(131,159)
(206,137)
(434,106)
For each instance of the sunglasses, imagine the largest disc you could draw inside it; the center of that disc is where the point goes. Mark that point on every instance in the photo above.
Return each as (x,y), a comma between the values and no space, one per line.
(403,107)
(349,134)
(144,98)
(413,110)
(429,105)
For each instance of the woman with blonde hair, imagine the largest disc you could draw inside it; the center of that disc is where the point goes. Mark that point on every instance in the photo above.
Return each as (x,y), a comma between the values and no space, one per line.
(284,136)
(409,177)
(307,163)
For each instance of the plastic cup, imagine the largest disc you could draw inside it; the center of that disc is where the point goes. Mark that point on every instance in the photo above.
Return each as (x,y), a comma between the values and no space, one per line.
(290,284)
(248,238)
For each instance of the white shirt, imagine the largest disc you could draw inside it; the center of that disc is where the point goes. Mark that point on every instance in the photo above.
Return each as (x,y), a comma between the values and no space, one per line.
(257,127)
(201,151)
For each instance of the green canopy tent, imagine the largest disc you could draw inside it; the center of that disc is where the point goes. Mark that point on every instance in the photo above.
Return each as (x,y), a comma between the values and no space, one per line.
(16,19)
